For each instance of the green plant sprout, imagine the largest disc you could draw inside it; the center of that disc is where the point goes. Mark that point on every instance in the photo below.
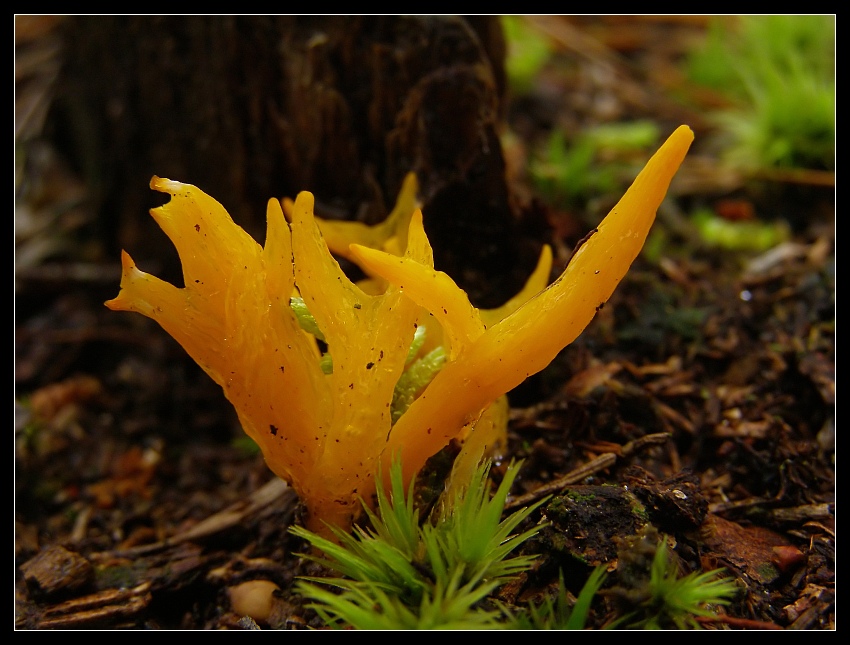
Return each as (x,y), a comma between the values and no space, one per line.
(440,574)
(659,598)
(400,575)
(558,613)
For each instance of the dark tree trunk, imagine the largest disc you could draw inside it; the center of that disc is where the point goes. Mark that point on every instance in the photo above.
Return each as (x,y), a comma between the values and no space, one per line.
(253,107)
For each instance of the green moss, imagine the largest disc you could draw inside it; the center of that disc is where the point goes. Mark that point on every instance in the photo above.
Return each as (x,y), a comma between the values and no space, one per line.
(581,497)
(116,576)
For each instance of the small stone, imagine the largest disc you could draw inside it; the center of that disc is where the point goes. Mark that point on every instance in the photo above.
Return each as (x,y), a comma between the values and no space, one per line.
(253,599)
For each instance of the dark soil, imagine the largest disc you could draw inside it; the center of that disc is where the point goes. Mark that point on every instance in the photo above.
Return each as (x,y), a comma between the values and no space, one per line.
(703,392)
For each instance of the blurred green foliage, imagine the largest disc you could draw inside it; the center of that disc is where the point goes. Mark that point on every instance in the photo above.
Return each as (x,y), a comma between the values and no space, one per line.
(593,162)
(528,52)
(778,72)
(754,235)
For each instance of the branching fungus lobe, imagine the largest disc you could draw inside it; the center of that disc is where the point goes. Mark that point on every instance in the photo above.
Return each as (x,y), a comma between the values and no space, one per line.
(327,432)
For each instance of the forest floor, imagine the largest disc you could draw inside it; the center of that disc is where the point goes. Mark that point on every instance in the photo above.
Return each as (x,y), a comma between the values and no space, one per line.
(705,388)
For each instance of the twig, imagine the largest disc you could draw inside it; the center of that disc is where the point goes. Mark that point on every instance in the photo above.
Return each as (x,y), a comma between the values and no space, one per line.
(742,623)
(593,466)
(231,516)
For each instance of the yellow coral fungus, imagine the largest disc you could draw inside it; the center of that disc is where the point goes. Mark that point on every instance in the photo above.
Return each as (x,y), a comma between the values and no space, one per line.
(390,235)
(527,340)
(327,432)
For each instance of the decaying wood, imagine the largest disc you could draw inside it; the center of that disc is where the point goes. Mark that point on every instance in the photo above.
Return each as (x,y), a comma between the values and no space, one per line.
(104,608)
(253,107)
(56,569)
